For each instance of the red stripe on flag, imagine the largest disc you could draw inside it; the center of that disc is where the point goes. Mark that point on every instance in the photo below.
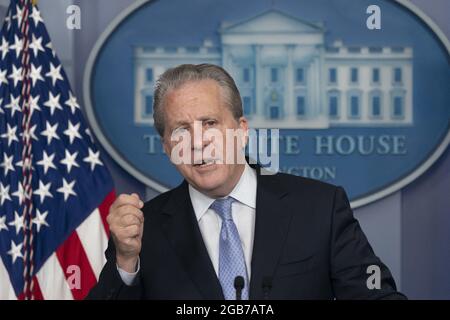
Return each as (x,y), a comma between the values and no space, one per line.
(37,294)
(76,266)
(104,209)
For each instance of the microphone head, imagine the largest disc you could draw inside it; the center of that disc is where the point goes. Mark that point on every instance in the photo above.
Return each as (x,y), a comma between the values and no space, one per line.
(239,283)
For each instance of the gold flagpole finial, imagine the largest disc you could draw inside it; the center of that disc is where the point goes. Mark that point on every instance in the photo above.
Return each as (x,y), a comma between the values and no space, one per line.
(34,2)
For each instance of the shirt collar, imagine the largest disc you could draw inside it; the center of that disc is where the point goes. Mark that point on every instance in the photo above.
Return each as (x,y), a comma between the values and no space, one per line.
(244,192)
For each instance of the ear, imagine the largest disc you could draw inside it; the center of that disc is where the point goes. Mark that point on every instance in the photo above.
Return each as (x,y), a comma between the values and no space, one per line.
(243,124)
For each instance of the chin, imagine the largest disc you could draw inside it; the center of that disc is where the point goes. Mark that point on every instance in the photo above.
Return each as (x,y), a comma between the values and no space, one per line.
(208,184)
(210,181)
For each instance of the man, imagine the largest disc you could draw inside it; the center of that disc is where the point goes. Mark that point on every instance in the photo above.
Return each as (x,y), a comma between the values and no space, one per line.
(228,229)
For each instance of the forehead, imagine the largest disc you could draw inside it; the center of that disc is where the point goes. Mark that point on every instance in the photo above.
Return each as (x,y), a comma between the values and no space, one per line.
(193,97)
(194,90)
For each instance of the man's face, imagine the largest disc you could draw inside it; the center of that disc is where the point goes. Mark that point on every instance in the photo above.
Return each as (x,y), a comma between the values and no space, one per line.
(202,103)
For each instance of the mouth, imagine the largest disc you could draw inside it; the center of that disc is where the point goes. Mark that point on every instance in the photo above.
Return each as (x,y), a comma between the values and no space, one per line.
(205,163)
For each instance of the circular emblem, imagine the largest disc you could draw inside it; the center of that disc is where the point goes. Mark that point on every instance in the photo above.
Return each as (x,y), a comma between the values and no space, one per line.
(358,92)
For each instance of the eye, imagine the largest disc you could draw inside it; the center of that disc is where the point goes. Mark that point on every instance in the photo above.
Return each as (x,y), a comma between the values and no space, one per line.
(210,123)
(179,131)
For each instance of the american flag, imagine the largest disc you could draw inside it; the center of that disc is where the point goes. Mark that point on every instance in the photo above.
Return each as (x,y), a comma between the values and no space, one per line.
(55,191)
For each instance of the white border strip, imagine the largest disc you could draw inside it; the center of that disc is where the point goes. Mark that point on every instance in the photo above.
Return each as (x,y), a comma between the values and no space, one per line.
(160,188)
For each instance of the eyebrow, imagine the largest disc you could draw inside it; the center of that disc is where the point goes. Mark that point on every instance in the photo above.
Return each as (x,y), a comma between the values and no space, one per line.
(180,123)
(202,119)
(205,118)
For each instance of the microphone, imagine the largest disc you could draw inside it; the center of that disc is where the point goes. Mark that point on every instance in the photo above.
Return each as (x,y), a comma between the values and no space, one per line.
(239,284)
(266,287)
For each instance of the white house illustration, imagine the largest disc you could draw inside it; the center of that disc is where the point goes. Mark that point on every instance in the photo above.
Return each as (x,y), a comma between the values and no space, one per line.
(289,77)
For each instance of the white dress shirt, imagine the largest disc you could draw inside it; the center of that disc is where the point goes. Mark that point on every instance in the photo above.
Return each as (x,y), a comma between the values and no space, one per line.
(210,223)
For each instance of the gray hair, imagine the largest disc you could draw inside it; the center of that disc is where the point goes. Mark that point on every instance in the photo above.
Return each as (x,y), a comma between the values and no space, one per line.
(175,77)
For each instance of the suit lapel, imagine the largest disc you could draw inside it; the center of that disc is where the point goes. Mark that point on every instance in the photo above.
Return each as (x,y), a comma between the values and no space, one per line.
(271,227)
(182,230)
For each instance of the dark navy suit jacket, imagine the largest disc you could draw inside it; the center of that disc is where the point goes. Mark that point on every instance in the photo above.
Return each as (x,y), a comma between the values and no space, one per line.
(307,245)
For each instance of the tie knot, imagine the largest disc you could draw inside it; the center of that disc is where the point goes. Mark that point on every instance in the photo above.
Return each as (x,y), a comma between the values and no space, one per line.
(223,207)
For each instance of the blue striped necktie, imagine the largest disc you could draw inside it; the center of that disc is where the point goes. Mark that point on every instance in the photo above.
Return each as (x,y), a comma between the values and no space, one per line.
(231,255)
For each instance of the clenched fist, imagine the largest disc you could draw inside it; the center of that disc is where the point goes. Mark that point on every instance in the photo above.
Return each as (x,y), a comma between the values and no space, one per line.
(126,223)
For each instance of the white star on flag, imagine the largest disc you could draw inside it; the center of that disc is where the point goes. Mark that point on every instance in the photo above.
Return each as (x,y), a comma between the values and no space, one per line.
(34,104)
(88,132)
(43,191)
(47,161)
(7,164)
(18,15)
(93,159)
(20,194)
(3,224)
(16,75)
(35,74)
(54,73)
(18,223)
(10,134)
(67,189)
(27,161)
(50,132)
(69,160)
(4,193)
(36,45)
(8,22)
(3,77)
(13,105)
(4,48)
(50,46)
(53,103)
(39,220)
(15,251)
(72,131)
(36,16)
(30,134)
(72,103)
(17,46)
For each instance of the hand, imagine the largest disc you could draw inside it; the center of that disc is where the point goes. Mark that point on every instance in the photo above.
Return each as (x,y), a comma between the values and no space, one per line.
(126,223)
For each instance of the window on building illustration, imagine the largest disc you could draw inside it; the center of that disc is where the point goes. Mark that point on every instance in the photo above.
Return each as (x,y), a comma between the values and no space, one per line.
(398,107)
(300,75)
(354,75)
(376,105)
(332,75)
(274,112)
(333,104)
(398,75)
(354,105)
(246,75)
(247,102)
(375,75)
(148,107)
(149,75)
(301,106)
(274,74)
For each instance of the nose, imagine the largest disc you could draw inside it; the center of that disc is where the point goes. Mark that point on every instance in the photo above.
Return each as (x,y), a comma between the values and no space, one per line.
(199,142)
